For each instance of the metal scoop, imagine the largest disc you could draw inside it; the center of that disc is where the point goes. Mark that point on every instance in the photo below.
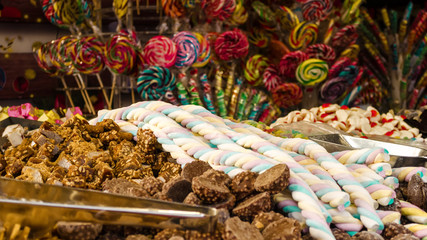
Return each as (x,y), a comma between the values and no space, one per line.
(400,155)
(41,206)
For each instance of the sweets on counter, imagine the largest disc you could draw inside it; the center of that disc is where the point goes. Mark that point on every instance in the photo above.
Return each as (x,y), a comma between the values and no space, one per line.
(355,121)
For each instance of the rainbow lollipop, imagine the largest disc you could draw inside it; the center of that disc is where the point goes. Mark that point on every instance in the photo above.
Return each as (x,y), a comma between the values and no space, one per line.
(290,62)
(312,71)
(204,55)
(254,69)
(258,37)
(160,51)
(188,48)
(155,82)
(287,19)
(121,54)
(90,55)
(313,10)
(303,35)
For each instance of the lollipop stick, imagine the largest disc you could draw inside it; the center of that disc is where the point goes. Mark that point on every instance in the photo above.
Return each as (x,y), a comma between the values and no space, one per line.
(67,92)
(83,94)
(113,88)
(132,88)
(83,87)
(103,90)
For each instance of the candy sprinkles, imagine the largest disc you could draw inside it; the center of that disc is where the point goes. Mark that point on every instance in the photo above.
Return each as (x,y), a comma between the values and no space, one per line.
(353,190)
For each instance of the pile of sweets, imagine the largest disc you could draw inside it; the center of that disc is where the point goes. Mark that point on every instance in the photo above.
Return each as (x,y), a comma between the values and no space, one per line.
(333,195)
(30,112)
(417,118)
(355,120)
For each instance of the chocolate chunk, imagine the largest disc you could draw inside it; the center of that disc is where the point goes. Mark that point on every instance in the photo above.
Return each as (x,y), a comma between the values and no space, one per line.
(52,135)
(242,184)
(275,230)
(177,189)
(167,234)
(137,237)
(404,237)
(340,234)
(124,187)
(273,180)
(217,176)
(194,169)
(146,140)
(78,230)
(192,199)
(209,191)
(236,229)
(393,229)
(228,203)
(254,205)
(262,220)
(169,170)
(415,191)
(365,235)
(151,184)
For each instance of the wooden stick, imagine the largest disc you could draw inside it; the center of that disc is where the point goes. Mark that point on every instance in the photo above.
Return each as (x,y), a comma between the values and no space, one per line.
(81,91)
(132,88)
(103,91)
(113,88)
(83,85)
(67,91)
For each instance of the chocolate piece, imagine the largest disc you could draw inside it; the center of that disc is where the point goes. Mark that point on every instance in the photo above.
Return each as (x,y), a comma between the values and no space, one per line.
(403,236)
(78,230)
(415,191)
(169,170)
(137,237)
(151,184)
(209,191)
(177,189)
(228,203)
(273,180)
(275,230)
(194,169)
(52,135)
(262,220)
(192,199)
(236,229)
(217,176)
(146,140)
(124,187)
(242,184)
(393,229)
(365,235)
(254,205)
(166,234)
(340,234)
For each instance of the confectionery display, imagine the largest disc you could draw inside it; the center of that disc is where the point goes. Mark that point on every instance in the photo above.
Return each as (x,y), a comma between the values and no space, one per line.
(231,106)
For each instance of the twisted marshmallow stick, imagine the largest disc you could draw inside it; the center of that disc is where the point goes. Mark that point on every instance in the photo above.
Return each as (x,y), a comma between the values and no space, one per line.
(328,192)
(314,215)
(405,173)
(389,216)
(366,156)
(413,213)
(419,230)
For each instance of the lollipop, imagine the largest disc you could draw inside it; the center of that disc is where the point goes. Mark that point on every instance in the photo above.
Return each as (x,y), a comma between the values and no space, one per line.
(271,78)
(188,48)
(66,52)
(221,10)
(321,51)
(303,34)
(50,14)
(266,16)
(188,3)
(339,66)
(312,71)
(290,62)
(121,54)
(231,45)
(240,15)
(72,11)
(90,55)
(287,95)
(173,8)
(313,10)
(333,89)
(41,55)
(120,8)
(258,37)
(154,82)
(254,69)
(345,37)
(287,19)
(204,54)
(160,51)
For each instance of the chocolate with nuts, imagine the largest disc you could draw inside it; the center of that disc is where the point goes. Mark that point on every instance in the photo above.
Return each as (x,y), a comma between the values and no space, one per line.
(194,169)
(242,184)
(252,206)
(263,219)
(286,228)
(236,229)
(78,230)
(209,191)
(177,189)
(273,180)
(393,229)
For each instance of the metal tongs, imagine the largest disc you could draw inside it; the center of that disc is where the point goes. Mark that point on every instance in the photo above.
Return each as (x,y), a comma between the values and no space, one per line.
(400,155)
(41,206)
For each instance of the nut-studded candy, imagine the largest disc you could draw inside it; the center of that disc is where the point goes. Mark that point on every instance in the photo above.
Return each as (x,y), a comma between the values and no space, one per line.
(242,184)
(273,180)
(210,191)
(252,206)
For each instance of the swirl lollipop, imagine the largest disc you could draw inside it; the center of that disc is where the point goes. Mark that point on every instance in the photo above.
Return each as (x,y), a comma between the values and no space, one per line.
(240,15)
(254,69)
(155,82)
(339,66)
(265,15)
(290,62)
(204,55)
(160,51)
(50,14)
(258,37)
(287,19)
(333,89)
(321,51)
(173,8)
(312,71)
(121,54)
(231,45)
(287,95)
(313,10)
(345,37)
(188,48)
(219,9)
(271,78)
(90,55)
(303,35)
